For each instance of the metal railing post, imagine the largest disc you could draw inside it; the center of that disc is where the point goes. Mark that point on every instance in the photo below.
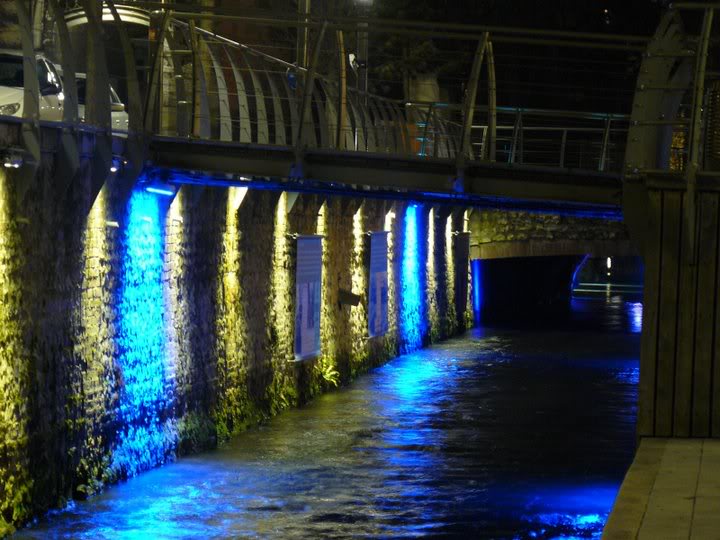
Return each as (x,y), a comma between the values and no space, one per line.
(470,97)
(563,142)
(695,129)
(305,104)
(153,93)
(492,103)
(604,148)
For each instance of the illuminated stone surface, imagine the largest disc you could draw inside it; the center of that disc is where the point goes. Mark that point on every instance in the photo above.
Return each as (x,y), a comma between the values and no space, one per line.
(136,327)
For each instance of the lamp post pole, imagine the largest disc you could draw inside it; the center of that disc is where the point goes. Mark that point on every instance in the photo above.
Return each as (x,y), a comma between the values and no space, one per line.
(363,49)
(302,34)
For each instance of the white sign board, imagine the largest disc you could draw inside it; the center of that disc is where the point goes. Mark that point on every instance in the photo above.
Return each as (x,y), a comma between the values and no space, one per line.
(378,293)
(308,280)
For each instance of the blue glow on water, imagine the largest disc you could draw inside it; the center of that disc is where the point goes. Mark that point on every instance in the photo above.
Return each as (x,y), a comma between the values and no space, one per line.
(476,271)
(568,511)
(573,283)
(145,437)
(411,305)
(635,314)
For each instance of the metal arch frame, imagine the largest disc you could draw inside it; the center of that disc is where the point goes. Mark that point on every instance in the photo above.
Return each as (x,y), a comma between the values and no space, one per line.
(331,121)
(201,120)
(225,119)
(278,112)
(665,65)
(358,124)
(182,119)
(245,130)
(380,129)
(322,123)
(261,119)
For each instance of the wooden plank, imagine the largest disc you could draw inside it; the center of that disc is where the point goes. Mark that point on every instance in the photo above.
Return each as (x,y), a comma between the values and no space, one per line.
(667,324)
(710,336)
(706,518)
(670,506)
(705,316)
(648,356)
(685,336)
(632,500)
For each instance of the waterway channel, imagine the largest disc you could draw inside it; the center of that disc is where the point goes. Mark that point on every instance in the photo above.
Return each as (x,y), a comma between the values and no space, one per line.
(502,433)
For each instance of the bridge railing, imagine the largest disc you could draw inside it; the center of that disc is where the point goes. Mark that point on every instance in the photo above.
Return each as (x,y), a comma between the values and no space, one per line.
(213,88)
(554,138)
(199,85)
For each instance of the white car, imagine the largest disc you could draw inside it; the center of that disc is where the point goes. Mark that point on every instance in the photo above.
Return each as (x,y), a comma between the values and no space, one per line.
(119,117)
(12,84)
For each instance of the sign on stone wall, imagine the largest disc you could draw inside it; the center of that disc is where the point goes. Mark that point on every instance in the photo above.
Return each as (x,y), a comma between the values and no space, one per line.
(378,294)
(308,286)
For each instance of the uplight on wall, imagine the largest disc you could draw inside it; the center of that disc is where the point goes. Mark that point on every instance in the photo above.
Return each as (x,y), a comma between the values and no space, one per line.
(236,196)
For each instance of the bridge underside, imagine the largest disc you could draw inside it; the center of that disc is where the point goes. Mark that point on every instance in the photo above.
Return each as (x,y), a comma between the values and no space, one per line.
(193,161)
(554,248)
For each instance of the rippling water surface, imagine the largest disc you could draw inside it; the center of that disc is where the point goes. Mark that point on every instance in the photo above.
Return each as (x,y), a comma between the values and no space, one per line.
(498,434)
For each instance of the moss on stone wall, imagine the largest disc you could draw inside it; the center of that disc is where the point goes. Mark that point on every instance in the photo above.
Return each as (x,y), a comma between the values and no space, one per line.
(16,482)
(135,328)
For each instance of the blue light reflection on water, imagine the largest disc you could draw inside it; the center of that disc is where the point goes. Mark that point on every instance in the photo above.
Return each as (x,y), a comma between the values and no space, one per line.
(635,311)
(145,438)
(500,434)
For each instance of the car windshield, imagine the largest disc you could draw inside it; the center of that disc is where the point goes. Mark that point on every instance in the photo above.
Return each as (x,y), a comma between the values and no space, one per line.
(11,71)
(81,91)
(81,83)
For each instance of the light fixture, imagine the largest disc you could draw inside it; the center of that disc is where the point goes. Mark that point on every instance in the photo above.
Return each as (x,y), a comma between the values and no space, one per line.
(608,262)
(158,187)
(13,160)
(118,162)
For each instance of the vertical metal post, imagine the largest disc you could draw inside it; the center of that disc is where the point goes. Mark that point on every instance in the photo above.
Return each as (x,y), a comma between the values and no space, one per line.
(363,51)
(31,92)
(301,54)
(563,142)
(695,129)
(517,127)
(305,104)
(70,105)
(470,97)
(484,146)
(436,140)
(423,145)
(97,89)
(604,148)
(152,97)
(492,102)
(521,139)
(133,85)
(342,93)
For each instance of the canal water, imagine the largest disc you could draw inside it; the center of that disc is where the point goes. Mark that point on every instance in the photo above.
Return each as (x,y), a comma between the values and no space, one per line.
(502,433)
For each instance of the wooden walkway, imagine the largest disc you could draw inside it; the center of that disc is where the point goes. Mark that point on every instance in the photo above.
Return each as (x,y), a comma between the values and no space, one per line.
(672,490)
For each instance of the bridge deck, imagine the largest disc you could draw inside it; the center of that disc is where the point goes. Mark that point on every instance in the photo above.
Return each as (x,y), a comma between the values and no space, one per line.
(672,490)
